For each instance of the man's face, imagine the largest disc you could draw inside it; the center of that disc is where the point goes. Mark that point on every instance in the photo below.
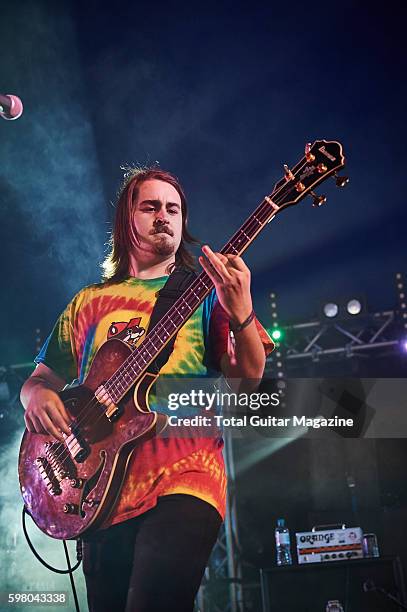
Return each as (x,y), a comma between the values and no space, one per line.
(157,218)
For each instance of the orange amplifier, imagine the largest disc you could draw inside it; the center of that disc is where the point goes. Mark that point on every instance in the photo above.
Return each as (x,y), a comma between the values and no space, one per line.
(324,544)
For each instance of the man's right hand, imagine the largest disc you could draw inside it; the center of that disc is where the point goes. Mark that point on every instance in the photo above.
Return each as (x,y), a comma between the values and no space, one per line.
(45,412)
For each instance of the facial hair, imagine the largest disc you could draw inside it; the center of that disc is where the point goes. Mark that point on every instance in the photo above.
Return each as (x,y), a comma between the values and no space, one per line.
(162,245)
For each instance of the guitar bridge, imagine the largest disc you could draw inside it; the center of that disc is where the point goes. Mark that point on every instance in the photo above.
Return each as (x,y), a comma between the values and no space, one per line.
(48,476)
(59,461)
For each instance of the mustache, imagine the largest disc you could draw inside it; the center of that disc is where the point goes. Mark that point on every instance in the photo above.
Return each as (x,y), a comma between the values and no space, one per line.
(162,229)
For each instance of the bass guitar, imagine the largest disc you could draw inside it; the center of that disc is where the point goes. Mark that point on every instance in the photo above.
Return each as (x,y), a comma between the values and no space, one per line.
(70,487)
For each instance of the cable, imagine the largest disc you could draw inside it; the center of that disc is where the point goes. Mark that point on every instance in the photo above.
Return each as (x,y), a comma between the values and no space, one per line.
(70,569)
(68,562)
(40,559)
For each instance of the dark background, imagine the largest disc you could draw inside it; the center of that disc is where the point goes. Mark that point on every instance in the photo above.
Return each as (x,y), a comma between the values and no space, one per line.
(221,94)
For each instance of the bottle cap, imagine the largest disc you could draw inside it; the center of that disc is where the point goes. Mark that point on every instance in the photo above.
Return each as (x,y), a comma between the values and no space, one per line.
(281,522)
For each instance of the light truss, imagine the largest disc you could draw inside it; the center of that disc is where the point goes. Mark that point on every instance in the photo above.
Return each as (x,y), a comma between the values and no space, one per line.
(377,333)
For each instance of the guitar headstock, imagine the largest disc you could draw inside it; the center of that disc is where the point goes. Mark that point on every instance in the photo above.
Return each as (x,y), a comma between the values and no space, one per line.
(321,160)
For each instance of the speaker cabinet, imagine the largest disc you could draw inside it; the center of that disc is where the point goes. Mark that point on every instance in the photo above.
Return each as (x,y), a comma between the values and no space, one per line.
(308,588)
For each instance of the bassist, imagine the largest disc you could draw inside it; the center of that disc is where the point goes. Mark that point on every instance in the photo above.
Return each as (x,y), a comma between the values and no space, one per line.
(151,553)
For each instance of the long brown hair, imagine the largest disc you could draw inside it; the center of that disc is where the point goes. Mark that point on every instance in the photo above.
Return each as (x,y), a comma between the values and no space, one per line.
(116,264)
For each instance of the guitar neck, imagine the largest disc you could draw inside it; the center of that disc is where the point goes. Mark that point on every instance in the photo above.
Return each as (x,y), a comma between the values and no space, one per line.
(142,357)
(321,160)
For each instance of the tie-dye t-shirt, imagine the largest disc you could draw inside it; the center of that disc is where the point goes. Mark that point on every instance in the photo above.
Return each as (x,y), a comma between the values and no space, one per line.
(162,465)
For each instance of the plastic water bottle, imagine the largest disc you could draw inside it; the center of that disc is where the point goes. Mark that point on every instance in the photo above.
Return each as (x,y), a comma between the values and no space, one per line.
(334,606)
(283,543)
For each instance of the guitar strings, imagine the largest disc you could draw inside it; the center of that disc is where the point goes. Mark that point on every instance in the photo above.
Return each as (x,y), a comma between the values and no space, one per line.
(263,208)
(133,358)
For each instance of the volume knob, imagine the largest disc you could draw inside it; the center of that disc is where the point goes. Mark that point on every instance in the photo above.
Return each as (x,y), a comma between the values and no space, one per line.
(76,483)
(70,509)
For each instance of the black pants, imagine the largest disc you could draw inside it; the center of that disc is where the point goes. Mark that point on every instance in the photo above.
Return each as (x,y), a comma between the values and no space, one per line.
(154,562)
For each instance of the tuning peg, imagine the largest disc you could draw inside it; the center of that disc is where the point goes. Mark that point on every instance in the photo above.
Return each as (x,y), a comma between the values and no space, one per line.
(308,155)
(341,181)
(318,200)
(289,176)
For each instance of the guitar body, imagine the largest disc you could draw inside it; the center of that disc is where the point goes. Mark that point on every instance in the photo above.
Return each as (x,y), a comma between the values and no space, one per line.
(70,492)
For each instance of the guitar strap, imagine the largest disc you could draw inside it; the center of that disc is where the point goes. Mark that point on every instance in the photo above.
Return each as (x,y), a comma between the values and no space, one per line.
(176,284)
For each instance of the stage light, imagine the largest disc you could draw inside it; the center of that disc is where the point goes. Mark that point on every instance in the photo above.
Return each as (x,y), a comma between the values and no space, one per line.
(277,334)
(331,310)
(404,344)
(342,308)
(354,307)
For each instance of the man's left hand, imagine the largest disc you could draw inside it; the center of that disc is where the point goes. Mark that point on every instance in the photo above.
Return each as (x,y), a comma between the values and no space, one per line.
(231,278)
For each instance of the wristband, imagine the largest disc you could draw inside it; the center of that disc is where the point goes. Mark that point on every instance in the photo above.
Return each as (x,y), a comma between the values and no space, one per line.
(246,322)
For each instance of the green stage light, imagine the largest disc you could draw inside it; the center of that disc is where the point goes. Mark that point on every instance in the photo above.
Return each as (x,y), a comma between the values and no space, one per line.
(277,334)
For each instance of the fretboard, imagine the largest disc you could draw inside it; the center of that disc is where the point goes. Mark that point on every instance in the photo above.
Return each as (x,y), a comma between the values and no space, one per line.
(142,357)
(321,160)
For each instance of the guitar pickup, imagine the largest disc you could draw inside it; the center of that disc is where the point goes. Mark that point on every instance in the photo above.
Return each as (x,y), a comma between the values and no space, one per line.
(103,397)
(77,447)
(113,412)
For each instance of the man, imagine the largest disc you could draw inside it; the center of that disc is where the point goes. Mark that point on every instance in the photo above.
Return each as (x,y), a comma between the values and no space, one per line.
(151,553)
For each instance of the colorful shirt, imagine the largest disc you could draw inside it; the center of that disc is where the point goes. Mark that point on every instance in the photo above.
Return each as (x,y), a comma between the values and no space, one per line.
(162,465)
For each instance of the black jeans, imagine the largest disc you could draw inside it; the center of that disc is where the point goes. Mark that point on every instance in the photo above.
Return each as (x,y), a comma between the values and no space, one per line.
(153,562)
